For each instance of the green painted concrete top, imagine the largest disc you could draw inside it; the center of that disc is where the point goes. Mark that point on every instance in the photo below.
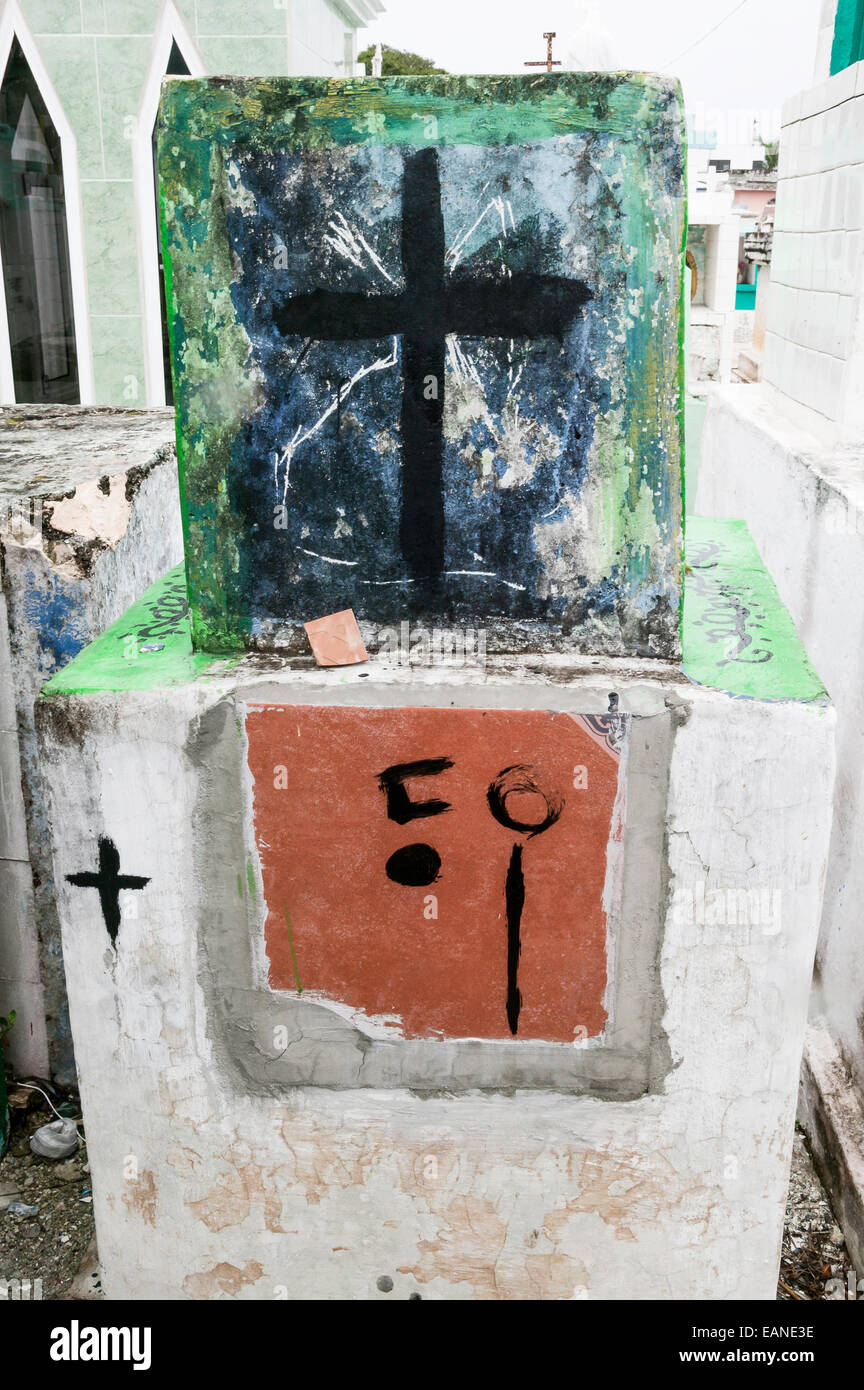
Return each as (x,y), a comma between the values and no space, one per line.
(737,636)
(848,45)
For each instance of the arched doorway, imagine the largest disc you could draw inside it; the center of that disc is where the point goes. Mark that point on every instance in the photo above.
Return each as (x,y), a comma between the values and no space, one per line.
(37,280)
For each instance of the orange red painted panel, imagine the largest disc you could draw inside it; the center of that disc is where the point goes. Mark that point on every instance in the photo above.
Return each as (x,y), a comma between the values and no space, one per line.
(441,870)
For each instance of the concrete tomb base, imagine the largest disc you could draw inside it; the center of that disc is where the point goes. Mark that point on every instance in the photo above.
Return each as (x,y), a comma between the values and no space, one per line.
(458,981)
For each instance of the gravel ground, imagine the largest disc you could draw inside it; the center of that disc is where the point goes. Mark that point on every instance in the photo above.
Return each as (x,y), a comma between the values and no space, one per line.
(57,1242)
(815,1263)
(51,1243)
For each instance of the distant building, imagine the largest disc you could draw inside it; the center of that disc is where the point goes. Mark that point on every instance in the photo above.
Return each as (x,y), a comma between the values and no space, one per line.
(729,189)
(82,316)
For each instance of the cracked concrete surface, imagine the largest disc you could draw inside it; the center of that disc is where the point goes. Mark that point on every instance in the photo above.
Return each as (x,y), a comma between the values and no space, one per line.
(459,1191)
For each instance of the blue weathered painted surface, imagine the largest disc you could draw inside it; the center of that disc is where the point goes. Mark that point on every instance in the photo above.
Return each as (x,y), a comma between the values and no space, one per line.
(443,378)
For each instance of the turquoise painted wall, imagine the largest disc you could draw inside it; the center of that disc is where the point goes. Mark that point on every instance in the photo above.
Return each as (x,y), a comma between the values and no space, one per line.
(848,46)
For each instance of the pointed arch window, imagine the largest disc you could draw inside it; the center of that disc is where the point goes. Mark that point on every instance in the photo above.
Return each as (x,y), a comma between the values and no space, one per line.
(177,67)
(37,281)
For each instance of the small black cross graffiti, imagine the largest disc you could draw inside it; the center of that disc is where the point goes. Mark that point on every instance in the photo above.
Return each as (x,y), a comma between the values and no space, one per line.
(109,882)
(524,305)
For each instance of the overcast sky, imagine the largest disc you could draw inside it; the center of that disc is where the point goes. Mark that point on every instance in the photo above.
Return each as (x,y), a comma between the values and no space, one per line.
(758,57)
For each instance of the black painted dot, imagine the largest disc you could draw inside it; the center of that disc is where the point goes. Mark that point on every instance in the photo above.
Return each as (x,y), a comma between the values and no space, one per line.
(414,866)
(417,1296)
(385,1283)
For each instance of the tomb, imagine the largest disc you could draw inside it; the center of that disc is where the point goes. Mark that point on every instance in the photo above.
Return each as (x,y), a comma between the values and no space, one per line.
(787,455)
(477,969)
(89,518)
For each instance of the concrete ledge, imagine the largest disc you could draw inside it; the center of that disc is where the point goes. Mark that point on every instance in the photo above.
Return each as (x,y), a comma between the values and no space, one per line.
(834,1123)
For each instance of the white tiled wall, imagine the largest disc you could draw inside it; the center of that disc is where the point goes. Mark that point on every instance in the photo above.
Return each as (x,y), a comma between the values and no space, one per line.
(721,264)
(317,39)
(814,344)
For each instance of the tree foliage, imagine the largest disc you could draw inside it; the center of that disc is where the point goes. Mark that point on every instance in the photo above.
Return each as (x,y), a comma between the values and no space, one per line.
(396,62)
(772,153)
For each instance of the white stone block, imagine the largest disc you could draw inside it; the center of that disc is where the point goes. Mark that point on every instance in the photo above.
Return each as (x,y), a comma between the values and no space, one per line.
(835,213)
(838,330)
(846,255)
(808,268)
(790,112)
(781,258)
(779,308)
(848,142)
(783,208)
(806,154)
(814,100)
(787,157)
(853,212)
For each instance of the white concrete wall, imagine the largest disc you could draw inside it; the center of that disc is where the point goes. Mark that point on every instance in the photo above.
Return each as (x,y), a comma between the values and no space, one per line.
(814,344)
(721,265)
(788,456)
(203,1189)
(780,467)
(317,38)
(59,589)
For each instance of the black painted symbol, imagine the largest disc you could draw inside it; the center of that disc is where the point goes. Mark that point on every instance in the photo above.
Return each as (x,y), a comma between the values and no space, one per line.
(418,865)
(518,780)
(414,866)
(109,882)
(521,306)
(392,781)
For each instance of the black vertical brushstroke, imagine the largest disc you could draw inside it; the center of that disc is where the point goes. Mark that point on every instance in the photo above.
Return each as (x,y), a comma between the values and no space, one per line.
(421,528)
(514,895)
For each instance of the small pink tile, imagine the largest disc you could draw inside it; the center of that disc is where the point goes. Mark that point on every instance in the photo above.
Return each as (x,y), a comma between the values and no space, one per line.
(336,639)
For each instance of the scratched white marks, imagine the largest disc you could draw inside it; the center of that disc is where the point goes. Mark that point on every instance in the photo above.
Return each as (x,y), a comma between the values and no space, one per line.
(501,206)
(328,559)
(461,363)
(301,435)
(349,243)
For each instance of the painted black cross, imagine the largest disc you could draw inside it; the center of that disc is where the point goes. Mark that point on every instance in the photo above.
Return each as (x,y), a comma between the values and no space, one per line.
(109,882)
(429,308)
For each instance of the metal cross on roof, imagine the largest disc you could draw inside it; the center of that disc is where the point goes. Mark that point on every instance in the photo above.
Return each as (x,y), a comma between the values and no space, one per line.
(548,62)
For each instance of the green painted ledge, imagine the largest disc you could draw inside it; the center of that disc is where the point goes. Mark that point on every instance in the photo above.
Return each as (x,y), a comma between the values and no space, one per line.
(148,648)
(737,636)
